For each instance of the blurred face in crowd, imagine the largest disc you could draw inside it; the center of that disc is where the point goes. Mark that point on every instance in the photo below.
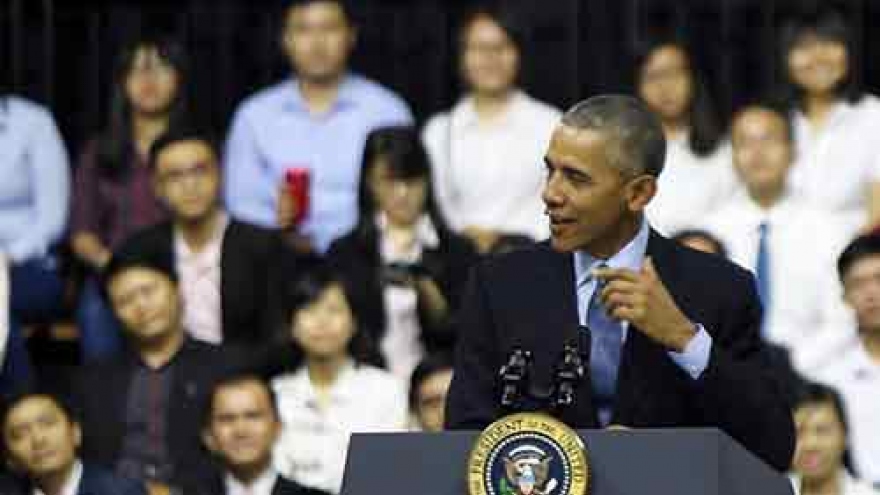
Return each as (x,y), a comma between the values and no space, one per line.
(243,426)
(187,178)
(591,203)
(146,302)
(818,65)
(821,441)
(761,150)
(401,199)
(324,328)
(318,39)
(861,290)
(490,59)
(151,83)
(665,83)
(40,438)
(431,400)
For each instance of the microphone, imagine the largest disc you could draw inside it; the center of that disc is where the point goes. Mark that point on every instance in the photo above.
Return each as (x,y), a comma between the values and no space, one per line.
(514,377)
(570,371)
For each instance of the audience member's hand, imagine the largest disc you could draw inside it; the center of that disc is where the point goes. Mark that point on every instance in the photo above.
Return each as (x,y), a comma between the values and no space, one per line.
(286,208)
(155,488)
(91,250)
(484,239)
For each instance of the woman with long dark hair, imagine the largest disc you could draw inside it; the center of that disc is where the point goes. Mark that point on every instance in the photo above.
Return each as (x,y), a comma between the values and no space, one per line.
(406,266)
(698,174)
(835,121)
(113,194)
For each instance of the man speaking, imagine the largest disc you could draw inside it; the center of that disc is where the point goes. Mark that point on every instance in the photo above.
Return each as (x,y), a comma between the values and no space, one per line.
(671,334)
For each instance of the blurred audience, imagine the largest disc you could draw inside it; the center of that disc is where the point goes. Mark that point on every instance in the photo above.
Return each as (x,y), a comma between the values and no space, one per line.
(113,194)
(41,438)
(495,134)
(405,267)
(428,387)
(242,426)
(698,176)
(316,121)
(331,390)
(856,371)
(34,196)
(823,437)
(141,409)
(835,120)
(772,232)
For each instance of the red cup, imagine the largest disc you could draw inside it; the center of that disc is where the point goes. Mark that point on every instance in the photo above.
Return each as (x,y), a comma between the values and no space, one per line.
(298,182)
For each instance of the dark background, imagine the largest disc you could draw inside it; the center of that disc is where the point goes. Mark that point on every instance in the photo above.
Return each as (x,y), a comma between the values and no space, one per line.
(60,52)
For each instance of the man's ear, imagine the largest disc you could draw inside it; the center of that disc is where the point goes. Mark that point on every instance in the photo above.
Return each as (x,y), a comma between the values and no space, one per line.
(639,192)
(209,441)
(77,435)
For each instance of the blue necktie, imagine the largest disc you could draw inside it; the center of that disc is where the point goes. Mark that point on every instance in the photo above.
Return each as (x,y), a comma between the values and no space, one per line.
(607,341)
(762,269)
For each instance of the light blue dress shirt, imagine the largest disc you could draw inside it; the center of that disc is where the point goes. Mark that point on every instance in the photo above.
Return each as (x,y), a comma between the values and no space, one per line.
(695,357)
(34,180)
(273,130)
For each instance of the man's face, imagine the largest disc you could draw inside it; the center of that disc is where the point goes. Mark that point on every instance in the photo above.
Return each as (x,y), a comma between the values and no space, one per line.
(188,180)
(40,438)
(318,39)
(589,201)
(861,290)
(146,302)
(821,441)
(243,427)
(431,400)
(761,150)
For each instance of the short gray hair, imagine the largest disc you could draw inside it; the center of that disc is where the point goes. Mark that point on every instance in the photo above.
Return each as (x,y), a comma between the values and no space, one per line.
(639,145)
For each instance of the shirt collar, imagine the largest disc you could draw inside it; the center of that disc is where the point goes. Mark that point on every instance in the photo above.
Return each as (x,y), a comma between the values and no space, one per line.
(262,485)
(293,99)
(343,390)
(211,250)
(426,233)
(631,256)
(777,214)
(71,486)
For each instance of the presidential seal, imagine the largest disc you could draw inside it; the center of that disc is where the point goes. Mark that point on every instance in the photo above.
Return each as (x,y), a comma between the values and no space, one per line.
(528,454)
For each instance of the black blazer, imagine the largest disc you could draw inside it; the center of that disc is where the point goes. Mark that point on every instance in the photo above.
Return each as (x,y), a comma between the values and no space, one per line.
(357,257)
(248,282)
(95,481)
(101,398)
(283,486)
(527,298)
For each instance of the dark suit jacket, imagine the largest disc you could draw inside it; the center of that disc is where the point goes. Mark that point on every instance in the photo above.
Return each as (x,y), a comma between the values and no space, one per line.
(527,298)
(101,399)
(95,481)
(248,281)
(283,486)
(356,256)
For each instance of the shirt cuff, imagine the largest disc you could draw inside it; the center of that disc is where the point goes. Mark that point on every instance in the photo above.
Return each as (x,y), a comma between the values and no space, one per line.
(694,359)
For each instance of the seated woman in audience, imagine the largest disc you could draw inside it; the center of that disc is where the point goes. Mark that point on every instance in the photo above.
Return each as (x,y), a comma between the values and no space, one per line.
(428,388)
(331,391)
(495,134)
(34,194)
(113,194)
(698,175)
(406,268)
(821,459)
(835,122)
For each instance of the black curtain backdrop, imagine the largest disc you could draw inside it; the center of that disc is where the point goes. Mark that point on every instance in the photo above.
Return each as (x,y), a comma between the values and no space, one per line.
(60,52)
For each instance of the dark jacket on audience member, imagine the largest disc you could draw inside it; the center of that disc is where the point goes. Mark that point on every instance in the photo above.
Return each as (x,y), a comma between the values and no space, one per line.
(95,481)
(248,280)
(356,256)
(283,486)
(102,393)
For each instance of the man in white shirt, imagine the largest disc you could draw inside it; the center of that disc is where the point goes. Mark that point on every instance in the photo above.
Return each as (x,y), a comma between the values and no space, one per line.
(790,246)
(855,372)
(40,439)
(241,430)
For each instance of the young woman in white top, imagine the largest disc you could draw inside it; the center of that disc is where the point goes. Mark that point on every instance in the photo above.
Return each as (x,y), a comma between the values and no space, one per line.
(495,135)
(698,174)
(820,465)
(836,123)
(331,390)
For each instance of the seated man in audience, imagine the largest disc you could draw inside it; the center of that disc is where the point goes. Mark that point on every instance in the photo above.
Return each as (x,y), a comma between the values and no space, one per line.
(141,409)
(241,429)
(41,439)
(317,121)
(788,245)
(225,266)
(428,388)
(855,372)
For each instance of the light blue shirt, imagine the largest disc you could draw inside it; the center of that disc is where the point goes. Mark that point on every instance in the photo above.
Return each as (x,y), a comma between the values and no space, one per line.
(695,357)
(34,180)
(273,130)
